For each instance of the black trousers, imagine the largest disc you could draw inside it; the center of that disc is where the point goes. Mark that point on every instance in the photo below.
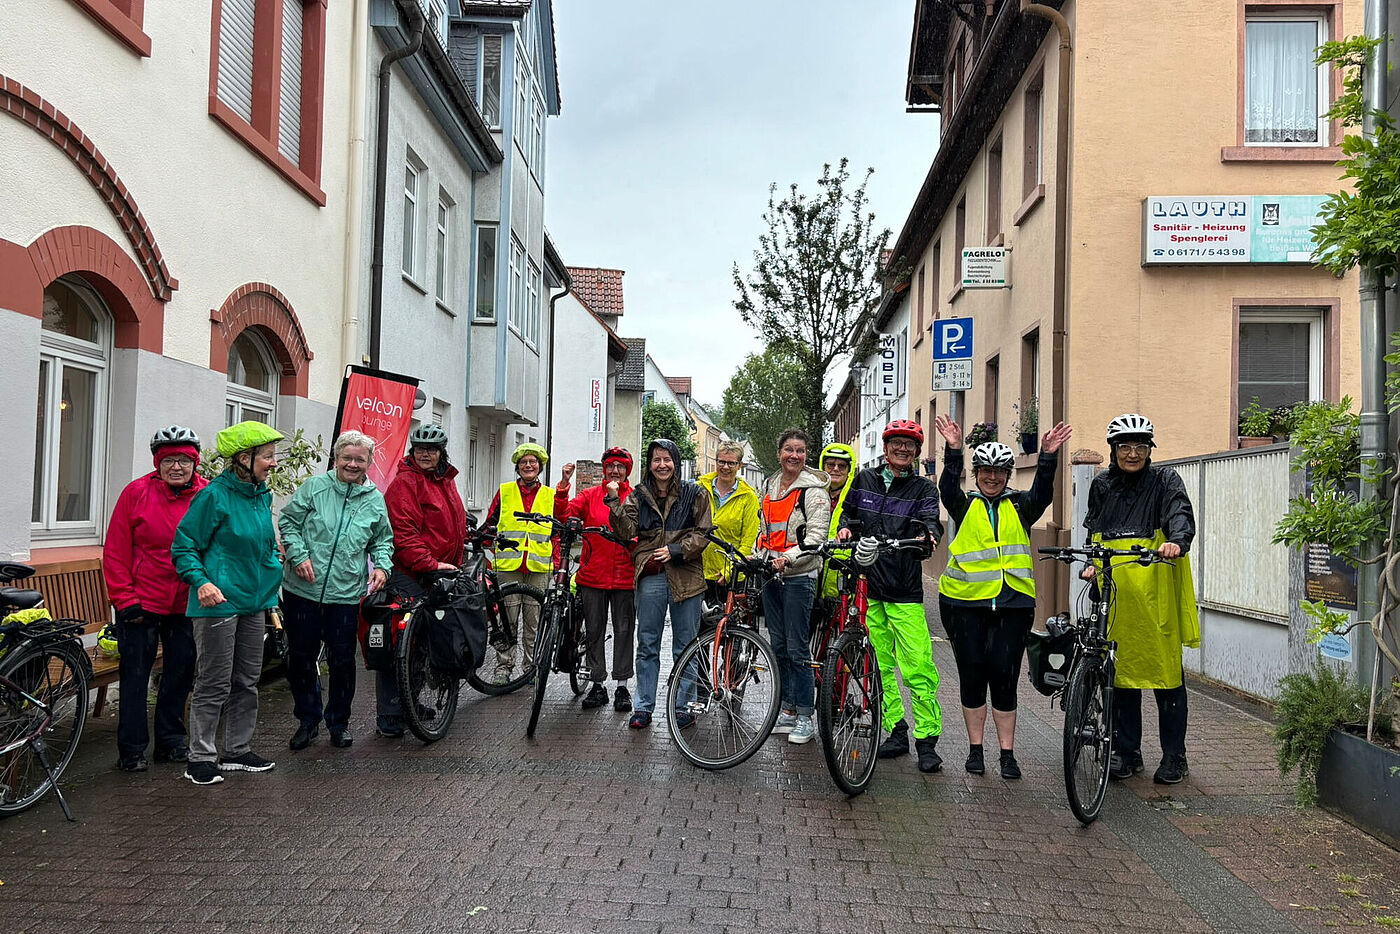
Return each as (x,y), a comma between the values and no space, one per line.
(988,645)
(137,643)
(309,625)
(596,603)
(1171,719)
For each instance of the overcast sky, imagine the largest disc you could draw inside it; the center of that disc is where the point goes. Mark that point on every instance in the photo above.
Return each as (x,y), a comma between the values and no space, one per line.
(677,117)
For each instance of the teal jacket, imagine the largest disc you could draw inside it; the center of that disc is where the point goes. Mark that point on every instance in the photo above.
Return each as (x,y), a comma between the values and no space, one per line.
(227,539)
(337,526)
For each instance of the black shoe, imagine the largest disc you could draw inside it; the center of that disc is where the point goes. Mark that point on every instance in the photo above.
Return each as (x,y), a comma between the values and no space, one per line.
(303,737)
(896,744)
(173,754)
(595,698)
(929,759)
(622,700)
(975,763)
(248,762)
(1010,768)
(1172,770)
(393,732)
(133,764)
(341,739)
(1124,765)
(203,773)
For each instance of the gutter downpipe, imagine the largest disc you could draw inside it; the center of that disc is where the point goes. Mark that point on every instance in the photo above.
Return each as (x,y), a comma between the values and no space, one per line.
(354,197)
(1374,419)
(381,173)
(549,391)
(1060,315)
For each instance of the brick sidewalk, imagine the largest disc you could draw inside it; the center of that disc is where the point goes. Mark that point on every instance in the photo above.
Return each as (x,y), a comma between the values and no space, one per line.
(592,827)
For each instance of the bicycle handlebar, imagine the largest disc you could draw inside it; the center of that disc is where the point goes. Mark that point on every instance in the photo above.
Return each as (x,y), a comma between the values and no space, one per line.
(570,525)
(1095,552)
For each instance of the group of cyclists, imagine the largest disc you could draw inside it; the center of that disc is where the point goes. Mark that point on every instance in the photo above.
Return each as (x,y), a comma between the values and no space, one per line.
(194,566)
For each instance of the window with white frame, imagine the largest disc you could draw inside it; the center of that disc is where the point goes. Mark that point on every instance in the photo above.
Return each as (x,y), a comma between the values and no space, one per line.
(1285,90)
(491,81)
(485,273)
(436,13)
(517,286)
(537,138)
(250,394)
(1280,354)
(521,121)
(533,316)
(71,419)
(412,176)
(444,243)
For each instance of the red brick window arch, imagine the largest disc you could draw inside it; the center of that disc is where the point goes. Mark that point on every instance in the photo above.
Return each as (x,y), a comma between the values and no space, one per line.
(257,340)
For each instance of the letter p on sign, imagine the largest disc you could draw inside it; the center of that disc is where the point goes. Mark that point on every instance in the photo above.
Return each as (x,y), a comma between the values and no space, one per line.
(952,339)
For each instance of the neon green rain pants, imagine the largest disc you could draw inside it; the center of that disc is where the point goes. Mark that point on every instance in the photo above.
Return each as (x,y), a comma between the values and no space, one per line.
(900,634)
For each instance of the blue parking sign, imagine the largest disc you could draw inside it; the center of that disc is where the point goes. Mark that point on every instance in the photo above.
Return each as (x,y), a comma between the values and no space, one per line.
(952,339)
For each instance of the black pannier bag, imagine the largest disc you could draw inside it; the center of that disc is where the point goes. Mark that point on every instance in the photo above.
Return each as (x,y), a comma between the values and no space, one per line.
(457,634)
(1049,654)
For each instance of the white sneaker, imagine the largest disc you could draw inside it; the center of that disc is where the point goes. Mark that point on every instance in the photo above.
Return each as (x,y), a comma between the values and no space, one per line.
(802,732)
(786,723)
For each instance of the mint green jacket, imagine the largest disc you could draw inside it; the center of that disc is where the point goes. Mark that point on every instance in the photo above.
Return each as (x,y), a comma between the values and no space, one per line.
(227,539)
(337,526)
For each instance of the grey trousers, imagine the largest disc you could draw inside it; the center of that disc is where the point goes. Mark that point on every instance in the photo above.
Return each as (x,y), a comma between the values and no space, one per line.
(596,603)
(229,661)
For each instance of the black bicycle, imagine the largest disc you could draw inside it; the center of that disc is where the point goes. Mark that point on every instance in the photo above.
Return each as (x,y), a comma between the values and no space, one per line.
(1087,694)
(44,676)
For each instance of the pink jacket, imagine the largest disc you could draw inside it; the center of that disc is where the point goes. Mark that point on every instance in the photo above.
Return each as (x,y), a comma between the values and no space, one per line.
(136,559)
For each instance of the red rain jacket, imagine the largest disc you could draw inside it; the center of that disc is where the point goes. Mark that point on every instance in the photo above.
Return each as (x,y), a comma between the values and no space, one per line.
(136,562)
(428,518)
(605,565)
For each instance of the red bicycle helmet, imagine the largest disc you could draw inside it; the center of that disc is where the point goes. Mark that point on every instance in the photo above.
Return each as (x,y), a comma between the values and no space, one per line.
(618,454)
(903,428)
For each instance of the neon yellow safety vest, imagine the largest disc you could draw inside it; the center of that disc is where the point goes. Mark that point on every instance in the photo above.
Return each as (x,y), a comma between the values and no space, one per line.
(538,552)
(981,558)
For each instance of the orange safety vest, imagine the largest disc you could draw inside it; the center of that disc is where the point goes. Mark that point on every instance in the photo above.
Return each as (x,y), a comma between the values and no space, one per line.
(776,513)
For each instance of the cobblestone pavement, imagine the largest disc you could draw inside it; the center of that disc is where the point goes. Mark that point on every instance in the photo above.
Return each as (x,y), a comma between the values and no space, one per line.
(593,827)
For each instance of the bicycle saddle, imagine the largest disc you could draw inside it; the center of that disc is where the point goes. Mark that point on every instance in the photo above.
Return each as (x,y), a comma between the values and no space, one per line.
(16,599)
(14,571)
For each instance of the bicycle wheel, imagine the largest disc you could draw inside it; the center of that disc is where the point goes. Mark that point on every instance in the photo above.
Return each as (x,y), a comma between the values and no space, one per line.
(43,733)
(428,699)
(507,612)
(545,641)
(849,711)
(580,672)
(1088,736)
(732,693)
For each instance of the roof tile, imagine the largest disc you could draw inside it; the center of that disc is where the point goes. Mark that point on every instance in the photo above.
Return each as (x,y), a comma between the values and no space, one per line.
(633,377)
(600,289)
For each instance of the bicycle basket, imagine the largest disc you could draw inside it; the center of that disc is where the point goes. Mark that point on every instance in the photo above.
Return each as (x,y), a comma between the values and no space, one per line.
(1048,657)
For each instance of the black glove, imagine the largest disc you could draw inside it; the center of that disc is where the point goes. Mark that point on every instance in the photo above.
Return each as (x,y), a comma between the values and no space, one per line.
(131,614)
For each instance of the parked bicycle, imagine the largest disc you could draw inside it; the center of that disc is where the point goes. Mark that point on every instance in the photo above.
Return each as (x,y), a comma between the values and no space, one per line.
(44,676)
(1087,694)
(724,692)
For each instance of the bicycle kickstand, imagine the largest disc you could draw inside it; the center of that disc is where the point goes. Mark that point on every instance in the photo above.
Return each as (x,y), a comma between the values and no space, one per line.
(53,777)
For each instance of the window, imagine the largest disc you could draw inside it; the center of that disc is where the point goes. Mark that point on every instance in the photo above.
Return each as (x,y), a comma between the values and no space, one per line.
(1030,365)
(919,302)
(994,191)
(251,392)
(1280,356)
(1034,136)
(436,13)
(71,416)
(993,390)
(410,218)
(123,19)
(534,316)
(959,239)
(955,79)
(491,81)
(444,242)
(537,139)
(517,286)
(1285,92)
(936,266)
(521,117)
(485,272)
(268,82)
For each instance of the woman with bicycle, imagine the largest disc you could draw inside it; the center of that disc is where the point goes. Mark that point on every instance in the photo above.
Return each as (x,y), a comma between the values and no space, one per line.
(605,581)
(986,595)
(151,605)
(225,549)
(734,511)
(795,513)
(1136,503)
(335,525)
(430,530)
(668,518)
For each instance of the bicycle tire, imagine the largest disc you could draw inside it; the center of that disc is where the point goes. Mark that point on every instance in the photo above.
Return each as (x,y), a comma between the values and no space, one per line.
(734,712)
(495,609)
(849,711)
(427,698)
(545,640)
(1088,735)
(55,674)
(580,672)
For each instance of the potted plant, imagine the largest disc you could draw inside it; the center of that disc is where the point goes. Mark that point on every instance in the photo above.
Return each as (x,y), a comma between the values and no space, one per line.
(1028,424)
(1284,419)
(981,433)
(1255,424)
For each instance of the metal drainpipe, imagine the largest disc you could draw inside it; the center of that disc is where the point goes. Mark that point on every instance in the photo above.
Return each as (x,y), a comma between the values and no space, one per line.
(549,388)
(1060,315)
(381,173)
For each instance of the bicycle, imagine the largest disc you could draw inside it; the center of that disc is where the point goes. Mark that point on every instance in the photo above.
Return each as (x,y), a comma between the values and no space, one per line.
(503,619)
(723,692)
(1087,693)
(44,675)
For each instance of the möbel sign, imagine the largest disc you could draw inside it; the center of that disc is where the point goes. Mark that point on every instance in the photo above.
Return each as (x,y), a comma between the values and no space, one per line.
(984,267)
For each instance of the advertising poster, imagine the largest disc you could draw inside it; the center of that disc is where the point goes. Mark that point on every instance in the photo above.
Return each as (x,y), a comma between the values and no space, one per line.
(1182,230)
(379,404)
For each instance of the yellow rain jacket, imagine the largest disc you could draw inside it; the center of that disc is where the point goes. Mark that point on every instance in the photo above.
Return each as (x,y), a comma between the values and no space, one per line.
(829,575)
(1153,616)
(736,522)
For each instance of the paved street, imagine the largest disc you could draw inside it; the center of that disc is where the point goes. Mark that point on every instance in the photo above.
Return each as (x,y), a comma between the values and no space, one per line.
(592,827)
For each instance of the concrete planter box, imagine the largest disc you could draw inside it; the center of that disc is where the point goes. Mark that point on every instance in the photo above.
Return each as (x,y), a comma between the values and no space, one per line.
(1361,781)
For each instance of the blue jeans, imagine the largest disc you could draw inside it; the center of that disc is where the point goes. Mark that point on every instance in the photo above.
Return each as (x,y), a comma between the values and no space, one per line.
(653,602)
(137,643)
(308,625)
(787,609)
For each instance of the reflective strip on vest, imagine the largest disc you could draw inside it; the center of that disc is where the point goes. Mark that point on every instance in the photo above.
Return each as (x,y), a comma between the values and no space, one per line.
(537,539)
(775,514)
(981,559)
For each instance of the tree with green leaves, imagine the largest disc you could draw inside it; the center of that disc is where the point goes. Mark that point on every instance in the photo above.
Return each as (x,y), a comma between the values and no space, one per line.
(817,276)
(664,420)
(759,403)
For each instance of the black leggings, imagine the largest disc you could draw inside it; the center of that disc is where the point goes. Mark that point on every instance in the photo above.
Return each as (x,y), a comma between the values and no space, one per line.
(988,645)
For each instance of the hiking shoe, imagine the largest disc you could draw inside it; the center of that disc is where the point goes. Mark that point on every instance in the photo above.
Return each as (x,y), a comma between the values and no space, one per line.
(1172,770)
(133,764)
(173,754)
(896,744)
(801,731)
(684,720)
(596,697)
(1010,768)
(248,762)
(785,723)
(203,773)
(975,764)
(340,739)
(640,720)
(622,700)
(1124,765)
(929,759)
(303,737)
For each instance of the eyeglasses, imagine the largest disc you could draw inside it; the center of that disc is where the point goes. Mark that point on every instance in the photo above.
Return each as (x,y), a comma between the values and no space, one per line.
(177,461)
(727,463)
(902,446)
(1140,450)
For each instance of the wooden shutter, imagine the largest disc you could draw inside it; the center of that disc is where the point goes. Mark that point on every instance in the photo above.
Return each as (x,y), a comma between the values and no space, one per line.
(236,56)
(289,115)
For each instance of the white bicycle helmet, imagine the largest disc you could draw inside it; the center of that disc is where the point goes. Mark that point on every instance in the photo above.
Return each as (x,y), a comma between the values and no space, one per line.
(429,434)
(993,454)
(1129,424)
(174,434)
